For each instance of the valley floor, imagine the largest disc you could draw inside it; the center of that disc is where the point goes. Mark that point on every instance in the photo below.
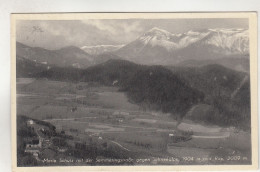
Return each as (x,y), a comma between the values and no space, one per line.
(103,117)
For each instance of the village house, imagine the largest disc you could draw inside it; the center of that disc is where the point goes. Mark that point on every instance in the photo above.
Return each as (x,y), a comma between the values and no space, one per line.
(30,122)
(172,134)
(120,120)
(34,142)
(62,149)
(34,151)
(120,113)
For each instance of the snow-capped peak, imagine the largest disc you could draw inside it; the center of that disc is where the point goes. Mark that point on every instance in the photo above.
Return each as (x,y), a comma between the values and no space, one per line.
(165,39)
(158,31)
(229,30)
(231,40)
(191,32)
(158,37)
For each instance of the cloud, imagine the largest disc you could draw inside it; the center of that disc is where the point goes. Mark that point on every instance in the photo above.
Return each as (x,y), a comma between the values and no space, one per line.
(116,27)
(59,33)
(101,25)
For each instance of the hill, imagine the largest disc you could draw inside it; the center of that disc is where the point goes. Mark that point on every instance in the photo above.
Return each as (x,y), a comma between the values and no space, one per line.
(226,91)
(212,79)
(101,58)
(27,68)
(65,57)
(235,63)
(152,86)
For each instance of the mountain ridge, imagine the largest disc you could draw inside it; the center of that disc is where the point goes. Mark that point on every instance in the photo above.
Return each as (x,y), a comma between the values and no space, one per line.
(64,57)
(158,46)
(155,47)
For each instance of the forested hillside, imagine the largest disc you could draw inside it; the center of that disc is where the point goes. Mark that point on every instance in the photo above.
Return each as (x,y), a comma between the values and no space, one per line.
(175,90)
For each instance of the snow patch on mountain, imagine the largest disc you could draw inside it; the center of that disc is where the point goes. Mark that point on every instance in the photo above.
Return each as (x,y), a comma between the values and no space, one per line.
(234,40)
(158,37)
(100,49)
(230,40)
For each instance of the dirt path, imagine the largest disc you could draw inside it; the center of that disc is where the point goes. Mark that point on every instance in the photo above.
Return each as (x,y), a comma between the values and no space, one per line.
(68,119)
(120,145)
(225,135)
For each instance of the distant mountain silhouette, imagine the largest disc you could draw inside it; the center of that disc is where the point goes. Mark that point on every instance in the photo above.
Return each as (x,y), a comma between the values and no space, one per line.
(66,57)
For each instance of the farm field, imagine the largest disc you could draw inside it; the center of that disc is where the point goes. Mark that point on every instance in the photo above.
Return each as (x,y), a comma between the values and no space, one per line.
(89,110)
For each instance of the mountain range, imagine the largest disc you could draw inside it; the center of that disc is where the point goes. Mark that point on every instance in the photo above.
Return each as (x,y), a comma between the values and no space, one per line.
(228,47)
(158,46)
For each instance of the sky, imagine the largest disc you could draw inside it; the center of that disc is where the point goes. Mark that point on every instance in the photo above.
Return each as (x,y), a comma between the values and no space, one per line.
(55,34)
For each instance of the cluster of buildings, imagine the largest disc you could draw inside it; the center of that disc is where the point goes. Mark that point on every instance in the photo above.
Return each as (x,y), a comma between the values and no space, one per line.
(33,144)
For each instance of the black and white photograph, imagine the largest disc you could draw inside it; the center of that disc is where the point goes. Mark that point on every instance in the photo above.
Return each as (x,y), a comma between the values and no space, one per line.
(133,91)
